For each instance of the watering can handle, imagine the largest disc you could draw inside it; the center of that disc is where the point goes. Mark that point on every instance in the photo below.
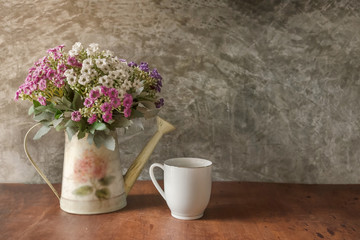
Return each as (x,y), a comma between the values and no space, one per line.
(35,165)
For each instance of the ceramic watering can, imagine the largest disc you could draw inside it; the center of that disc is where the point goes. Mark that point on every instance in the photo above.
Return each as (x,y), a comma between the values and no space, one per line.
(92,180)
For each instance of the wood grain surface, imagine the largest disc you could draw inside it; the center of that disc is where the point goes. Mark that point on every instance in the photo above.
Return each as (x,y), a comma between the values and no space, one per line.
(236,211)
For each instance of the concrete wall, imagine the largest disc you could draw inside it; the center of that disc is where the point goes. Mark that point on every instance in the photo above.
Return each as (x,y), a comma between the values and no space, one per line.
(267,90)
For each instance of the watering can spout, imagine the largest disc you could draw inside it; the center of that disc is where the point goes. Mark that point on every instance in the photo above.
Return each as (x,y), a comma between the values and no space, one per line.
(136,167)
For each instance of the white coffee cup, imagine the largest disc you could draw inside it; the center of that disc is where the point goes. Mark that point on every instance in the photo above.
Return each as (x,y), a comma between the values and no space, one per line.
(187,186)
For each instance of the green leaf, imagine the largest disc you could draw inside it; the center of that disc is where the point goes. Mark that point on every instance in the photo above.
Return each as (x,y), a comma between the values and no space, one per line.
(81,135)
(90,138)
(121,122)
(59,114)
(36,103)
(106,181)
(66,102)
(42,131)
(151,113)
(103,193)
(136,114)
(56,122)
(99,126)
(70,132)
(109,142)
(101,138)
(83,190)
(31,110)
(43,116)
(62,107)
(77,102)
(147,104)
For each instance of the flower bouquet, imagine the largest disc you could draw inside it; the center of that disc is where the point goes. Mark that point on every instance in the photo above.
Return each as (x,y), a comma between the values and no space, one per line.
(89,93)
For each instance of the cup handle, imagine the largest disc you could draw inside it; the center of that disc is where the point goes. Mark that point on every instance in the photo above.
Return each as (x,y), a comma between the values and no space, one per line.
(153,179)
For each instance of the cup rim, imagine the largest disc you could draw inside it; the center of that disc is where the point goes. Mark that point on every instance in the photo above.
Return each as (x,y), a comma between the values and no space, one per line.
(206,163)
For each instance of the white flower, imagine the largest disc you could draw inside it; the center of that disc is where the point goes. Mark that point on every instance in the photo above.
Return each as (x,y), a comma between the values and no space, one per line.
(106,81)
(114,74)
(126,85)
(76,48)
(124,73)
(121,92)
(84,79)
(93,73)
(86,69)
(87,62)
(100,62)
(69,72)
(108,53)
(72,80)
(92,49)
(105,68)
(103,80)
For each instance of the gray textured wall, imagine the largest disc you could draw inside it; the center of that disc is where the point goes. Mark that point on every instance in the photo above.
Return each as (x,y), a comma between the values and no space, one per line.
(267,90)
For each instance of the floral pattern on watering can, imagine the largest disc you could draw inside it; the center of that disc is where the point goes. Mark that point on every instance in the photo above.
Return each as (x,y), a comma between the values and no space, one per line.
(92,178)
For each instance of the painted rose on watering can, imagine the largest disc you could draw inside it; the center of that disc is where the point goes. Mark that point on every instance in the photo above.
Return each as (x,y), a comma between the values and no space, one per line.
(90,93)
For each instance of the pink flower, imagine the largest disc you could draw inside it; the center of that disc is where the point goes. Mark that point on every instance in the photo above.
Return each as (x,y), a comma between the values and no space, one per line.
(94,94)
(88,102)
(106,107)
(50,73)
(42,84)
(76,116)
(115,102)
(128,100)
(59,82)
(61,68)
(113,93)
(127,112)
(104,90)
(17,94)
(72,61)
(92,119)
(42,100)
(107,116)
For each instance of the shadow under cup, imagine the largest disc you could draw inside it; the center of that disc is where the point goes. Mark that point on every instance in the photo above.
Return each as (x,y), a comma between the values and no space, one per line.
(187,186)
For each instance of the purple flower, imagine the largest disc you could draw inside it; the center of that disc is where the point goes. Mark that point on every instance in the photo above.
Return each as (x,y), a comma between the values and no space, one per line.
(17,94)
(113,93)
(61,68)
(92,119)
(104,90)
(59,81)
(94,94)
(127,112)
(107,116)
(32,86)
(132,64)
(42,100)
(50,73)
(76,116)
(144,67)
(115,102)
(155,74)
(158,86)
(72,61)
(128,100)
(106,107)
(42,84)
(159,103)
(88,102)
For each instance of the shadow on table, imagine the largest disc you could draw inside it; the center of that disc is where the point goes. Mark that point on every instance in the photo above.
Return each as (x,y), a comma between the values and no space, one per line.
(144,201)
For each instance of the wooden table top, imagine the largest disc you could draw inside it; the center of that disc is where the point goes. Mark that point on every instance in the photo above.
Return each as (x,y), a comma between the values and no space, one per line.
(236,210)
